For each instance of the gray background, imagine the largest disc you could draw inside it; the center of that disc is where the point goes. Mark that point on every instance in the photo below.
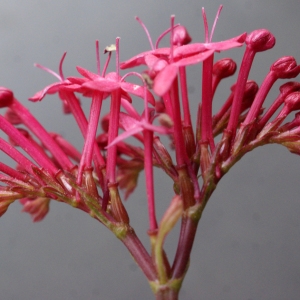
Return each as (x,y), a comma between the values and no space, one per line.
(247,246)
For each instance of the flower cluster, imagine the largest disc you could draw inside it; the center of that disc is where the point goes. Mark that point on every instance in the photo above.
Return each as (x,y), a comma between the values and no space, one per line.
(50,167)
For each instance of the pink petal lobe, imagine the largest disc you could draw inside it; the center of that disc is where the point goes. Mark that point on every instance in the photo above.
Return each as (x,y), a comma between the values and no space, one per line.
(86,73)
(50,89)
(125,135)
(127,122)
(102,85)
(159,129)
(150,60)
(164,79)
(137,90)
(195,59)
(187,50)
(140,58)
(228,44)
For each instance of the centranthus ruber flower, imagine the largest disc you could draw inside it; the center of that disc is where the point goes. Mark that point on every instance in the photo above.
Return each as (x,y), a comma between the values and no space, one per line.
(200,153)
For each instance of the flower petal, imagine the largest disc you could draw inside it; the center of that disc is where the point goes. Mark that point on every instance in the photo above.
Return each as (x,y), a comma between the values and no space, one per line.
(125,135)
(86,73)
(50,89)
(140,58)
(163,80)
(127,122)
(137,90)
(195,59)
(102,85)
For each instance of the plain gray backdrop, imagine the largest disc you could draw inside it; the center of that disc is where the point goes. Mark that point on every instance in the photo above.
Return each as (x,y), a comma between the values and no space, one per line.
(247,246)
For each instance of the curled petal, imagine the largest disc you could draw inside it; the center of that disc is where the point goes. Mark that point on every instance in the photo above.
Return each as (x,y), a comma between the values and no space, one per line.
(50,89)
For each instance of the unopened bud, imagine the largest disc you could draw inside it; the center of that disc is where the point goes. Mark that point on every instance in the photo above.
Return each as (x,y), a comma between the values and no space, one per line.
(159,106)
(105,122)
(6,97)
(102,140)
(224,68)
(289,87)
(181,36)
(260,40)
(292,101)
(12,117)
(295,123)
(285,67)
(251,90)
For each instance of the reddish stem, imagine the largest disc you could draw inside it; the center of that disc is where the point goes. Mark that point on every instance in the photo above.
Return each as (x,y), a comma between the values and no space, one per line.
(87,153)
(206,125)
(184,95)
(239,90)
(260,97)
(178,135)
(148,160)
(16,155)
(112,134)
(35,152)
(140,254)
(32,123)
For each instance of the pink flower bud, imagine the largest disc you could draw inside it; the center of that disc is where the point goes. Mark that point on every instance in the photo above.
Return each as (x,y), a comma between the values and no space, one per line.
(292,101)
(285,67)
(102,140)
(12,117)
(6,97)
(181,36)
(224,68)
(289,87)
(260,40)
(105,122)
